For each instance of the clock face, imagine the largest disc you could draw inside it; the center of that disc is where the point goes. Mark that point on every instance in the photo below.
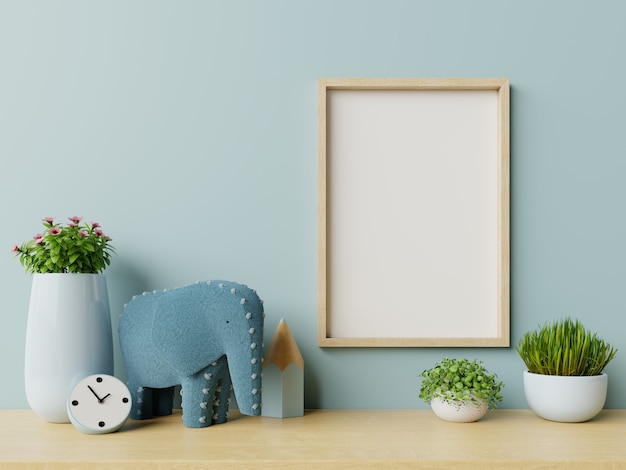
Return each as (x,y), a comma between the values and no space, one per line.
(99,404)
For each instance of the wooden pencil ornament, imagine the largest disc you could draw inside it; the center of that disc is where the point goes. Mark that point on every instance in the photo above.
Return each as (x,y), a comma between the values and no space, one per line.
(283,376)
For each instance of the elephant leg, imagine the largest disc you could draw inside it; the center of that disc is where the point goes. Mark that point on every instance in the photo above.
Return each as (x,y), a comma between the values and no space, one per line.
(141,401)
(162,401)
(203,393)
(222,398)
(198,392)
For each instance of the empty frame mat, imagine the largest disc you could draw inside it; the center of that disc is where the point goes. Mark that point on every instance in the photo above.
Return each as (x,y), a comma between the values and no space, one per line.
(413,212)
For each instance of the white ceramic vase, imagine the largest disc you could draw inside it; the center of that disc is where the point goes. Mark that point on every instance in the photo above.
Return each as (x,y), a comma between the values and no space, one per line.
(68,337)
(467,412)
(567,399)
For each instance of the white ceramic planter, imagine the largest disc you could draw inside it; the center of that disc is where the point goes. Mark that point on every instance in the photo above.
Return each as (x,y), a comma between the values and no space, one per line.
(68,337)
(571,399)
(465,413)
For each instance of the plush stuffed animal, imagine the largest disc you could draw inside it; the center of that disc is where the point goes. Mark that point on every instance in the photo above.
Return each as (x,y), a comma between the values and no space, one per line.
(208,337)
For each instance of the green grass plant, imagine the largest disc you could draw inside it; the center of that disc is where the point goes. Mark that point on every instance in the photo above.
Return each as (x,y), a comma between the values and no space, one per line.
(564,347)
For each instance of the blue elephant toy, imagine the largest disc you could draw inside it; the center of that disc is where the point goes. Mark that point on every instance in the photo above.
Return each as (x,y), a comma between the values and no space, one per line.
(207,337)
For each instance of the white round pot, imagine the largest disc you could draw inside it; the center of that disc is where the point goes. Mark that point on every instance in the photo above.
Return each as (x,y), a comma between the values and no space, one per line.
(68,337)
(467,412)
(567,399)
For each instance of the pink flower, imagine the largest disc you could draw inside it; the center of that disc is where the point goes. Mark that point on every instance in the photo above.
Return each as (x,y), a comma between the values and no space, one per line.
(100,233)
(38,236)
(95,224)
(83,233)
(15,249)
(75,219)
(49,220)
(54,231)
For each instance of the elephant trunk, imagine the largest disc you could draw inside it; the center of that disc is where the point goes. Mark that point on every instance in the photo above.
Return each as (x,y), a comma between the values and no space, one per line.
(246,378)
(243,347)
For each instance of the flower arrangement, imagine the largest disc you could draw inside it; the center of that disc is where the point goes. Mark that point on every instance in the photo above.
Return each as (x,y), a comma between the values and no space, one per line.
(458,381)
(566,348)
(74,248)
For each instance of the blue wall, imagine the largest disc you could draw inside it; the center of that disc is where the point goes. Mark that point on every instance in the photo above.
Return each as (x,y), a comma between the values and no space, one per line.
(188,129)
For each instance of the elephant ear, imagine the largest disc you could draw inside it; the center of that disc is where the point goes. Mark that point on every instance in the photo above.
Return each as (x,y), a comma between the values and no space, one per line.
(180,331)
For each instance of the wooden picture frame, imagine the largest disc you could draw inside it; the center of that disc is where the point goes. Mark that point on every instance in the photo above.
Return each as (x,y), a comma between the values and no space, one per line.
(413,209)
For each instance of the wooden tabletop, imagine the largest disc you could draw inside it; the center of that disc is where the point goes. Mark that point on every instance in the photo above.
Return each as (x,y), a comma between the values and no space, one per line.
(356,439)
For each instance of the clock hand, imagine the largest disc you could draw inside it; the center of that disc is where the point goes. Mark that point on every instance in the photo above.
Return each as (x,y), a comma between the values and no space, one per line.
(104,397)
(96,395)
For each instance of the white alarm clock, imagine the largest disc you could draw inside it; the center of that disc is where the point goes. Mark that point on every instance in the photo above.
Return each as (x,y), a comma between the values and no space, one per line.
(99,404)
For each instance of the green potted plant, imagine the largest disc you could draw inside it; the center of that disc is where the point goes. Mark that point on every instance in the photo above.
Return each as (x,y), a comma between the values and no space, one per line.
(74,248)
(564,380)
(460,390)
(68,333)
